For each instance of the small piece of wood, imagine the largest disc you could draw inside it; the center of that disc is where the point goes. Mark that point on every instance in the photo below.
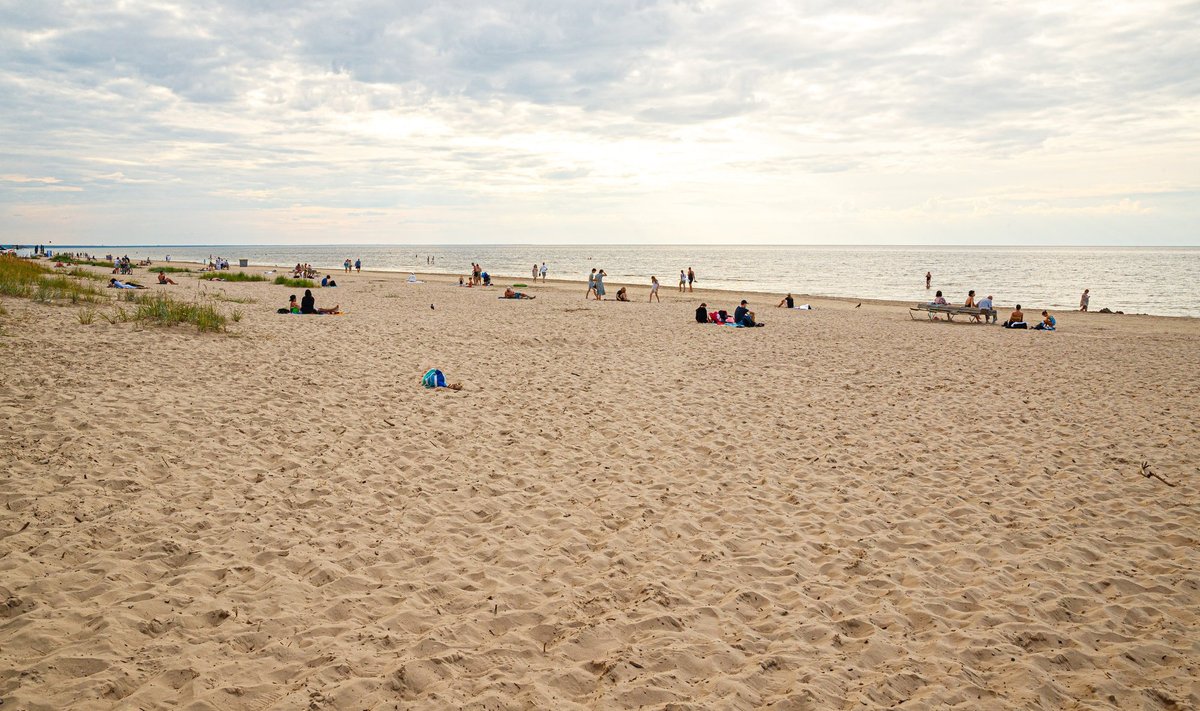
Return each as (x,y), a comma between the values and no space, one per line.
(1148,474)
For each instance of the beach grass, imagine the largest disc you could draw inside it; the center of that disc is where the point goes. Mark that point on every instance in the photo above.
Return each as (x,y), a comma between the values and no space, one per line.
(294,283)
(171,270)
(87,315)
(85,274)
(30,280)
(87,262)
(162,310)
(232,276)
(232,299)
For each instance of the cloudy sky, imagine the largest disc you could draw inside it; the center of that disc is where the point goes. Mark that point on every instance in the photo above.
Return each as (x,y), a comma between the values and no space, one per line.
(371,121)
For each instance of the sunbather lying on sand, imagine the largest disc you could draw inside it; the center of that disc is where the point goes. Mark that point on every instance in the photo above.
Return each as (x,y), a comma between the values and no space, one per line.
(510,294)
(114,284)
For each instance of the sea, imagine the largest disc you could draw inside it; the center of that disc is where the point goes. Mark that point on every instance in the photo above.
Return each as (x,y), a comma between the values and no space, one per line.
(1151,280)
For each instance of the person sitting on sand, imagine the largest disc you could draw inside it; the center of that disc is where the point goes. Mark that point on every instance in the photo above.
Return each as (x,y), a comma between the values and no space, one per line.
(164,279)
(487,279)
(114,284)
(509,293)
(743,316)
(462,281)
(702,313)
(789,301)
(308,305)
(1016,319)
(293,305)
(1048,323)
(622,295)
(328,281)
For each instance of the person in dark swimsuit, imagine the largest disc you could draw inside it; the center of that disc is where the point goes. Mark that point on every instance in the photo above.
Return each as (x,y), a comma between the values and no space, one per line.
(308,305)
(702,313)
(791,303)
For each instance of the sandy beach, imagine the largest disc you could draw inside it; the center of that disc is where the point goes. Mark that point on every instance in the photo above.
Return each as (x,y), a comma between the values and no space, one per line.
(621,509)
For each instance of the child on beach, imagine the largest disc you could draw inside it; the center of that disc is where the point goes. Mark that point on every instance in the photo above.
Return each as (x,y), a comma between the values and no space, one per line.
(1048,323)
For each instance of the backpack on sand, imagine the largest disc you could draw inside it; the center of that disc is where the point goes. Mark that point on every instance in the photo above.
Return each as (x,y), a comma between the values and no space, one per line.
(433,378)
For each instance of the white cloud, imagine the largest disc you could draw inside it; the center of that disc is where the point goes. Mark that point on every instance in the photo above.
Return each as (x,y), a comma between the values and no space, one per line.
(477,120)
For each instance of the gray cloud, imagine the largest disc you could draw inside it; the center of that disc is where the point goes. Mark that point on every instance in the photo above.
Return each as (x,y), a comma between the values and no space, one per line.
(373,104)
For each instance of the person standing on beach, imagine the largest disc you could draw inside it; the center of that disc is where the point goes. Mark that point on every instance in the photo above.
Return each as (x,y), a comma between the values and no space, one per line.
(691,278)
(599,285)
(358,266)
(544,272)
(1083,300)
(928,279)
(682,280)
(591,283)
(654,290)
(535,271)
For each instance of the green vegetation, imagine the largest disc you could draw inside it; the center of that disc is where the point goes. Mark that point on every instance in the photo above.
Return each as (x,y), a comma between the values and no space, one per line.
(85,274)
(170,270)
(232,299)
(87,315)
(232,276)
(236,315)
(88,262)
(162,310)
(294,283)
(31,280)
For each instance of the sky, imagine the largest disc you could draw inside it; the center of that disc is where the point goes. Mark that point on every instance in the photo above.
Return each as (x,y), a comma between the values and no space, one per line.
(624,122)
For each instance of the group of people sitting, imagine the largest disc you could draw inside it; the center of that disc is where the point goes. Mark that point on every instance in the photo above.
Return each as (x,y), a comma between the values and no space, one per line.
(1017,320)
(988,314)
(307,305)
(328,281)
(304,271)
(742,316)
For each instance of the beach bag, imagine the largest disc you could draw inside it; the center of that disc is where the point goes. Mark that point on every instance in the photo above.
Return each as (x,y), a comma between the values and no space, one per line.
(434,379)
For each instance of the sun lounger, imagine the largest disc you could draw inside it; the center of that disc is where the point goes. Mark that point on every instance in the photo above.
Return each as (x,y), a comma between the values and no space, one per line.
(932,310)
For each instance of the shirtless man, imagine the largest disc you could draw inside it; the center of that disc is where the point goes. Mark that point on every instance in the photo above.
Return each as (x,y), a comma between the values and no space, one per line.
(1017,319)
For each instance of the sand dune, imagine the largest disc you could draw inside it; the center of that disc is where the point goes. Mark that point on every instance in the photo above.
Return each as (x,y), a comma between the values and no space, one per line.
(622,509)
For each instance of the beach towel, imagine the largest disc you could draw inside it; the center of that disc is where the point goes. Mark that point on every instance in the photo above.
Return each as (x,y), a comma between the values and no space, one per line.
(433,378)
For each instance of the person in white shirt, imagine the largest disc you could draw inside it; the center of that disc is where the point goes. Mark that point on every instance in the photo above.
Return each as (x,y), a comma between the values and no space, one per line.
(986,303)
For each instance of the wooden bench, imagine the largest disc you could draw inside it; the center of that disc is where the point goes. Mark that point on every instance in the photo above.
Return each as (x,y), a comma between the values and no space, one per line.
(932,310)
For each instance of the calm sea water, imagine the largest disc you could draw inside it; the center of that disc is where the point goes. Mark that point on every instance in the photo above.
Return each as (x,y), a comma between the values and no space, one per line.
(1154,280)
